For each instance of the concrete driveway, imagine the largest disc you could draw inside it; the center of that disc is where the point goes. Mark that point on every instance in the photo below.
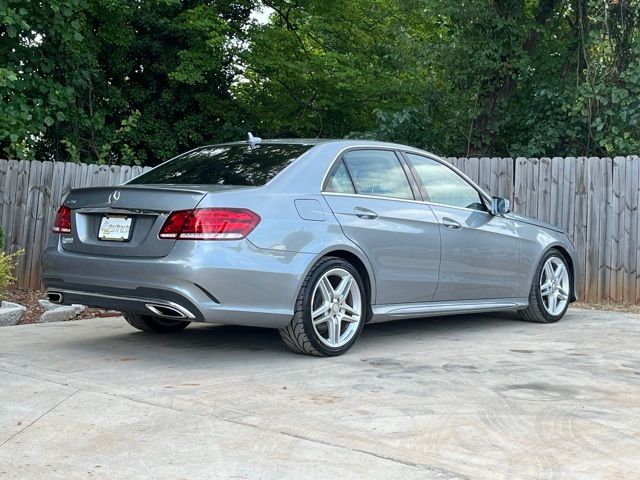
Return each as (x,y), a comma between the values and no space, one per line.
(480,396)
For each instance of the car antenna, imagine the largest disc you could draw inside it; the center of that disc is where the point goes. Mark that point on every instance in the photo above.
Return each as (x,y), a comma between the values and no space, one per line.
(253,141)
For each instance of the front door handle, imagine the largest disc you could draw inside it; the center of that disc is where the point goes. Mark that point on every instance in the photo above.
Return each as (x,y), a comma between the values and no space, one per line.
(451,223)
(365,213)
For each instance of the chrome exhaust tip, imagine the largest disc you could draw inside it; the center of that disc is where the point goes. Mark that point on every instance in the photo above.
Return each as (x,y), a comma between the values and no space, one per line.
(54,297)
(166,311)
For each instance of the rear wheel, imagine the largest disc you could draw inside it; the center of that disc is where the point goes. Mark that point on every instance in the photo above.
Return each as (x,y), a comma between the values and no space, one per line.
(330,310)
(148,323)
(550,290)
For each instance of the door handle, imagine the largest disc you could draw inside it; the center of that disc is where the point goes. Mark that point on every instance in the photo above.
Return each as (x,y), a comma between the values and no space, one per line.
(365,213)
(451,223)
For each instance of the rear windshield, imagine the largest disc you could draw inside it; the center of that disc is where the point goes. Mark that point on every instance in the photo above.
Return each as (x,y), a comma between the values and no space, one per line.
(225,165)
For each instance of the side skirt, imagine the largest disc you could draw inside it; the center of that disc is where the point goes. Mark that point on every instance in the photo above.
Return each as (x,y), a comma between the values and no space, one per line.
(386,313)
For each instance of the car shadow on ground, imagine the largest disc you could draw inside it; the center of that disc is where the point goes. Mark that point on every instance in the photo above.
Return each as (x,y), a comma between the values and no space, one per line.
(214,340)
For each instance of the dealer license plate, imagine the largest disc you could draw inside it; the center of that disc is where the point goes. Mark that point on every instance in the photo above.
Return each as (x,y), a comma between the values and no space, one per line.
(115,229)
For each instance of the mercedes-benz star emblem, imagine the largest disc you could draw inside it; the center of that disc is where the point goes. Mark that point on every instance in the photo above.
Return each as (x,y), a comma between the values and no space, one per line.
(114,197)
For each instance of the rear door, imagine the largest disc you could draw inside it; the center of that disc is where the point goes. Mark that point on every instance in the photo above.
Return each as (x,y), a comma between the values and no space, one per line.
(480,251)
(370,193)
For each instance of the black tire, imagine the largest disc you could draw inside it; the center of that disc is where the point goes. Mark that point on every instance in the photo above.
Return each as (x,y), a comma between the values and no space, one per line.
(299,335)
(536,311)
(150,324)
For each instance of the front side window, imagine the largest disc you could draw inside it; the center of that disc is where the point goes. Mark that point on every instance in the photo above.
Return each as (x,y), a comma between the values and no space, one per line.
(225,165)
(378,172)
(443,185)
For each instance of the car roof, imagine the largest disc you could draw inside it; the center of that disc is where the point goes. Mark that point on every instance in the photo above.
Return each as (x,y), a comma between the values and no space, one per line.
(342,142)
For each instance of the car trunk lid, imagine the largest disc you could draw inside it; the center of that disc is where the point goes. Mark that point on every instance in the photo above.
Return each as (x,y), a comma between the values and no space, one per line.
(143,207)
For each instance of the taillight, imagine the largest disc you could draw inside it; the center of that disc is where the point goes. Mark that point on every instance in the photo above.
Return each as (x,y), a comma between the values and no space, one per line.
(209,224)
(62,223)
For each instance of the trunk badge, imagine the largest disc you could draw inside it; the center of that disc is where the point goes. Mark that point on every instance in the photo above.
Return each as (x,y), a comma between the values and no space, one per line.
(114,197)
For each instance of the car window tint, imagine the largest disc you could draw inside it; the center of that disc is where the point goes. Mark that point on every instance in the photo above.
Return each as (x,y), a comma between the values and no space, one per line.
(225,165)
(378,172)
(340,181)
(445,186)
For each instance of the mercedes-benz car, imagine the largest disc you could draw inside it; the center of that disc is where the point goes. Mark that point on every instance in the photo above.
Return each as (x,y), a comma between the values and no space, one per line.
(315,238)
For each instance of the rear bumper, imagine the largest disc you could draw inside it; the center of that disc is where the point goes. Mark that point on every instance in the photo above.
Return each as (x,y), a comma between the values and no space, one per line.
(217,282)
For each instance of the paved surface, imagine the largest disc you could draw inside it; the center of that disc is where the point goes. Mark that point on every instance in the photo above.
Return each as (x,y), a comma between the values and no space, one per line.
(482,396)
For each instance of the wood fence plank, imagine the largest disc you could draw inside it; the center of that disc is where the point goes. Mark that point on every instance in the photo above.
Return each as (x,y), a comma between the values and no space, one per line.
(520,186)
(67,181)
(615,224)
(484,174)
(556,182)
(581,216)
(532,181)
(593,229)
(28,225)
(631,212)
(567,201)
(543,195)
(39,237)
(604,238)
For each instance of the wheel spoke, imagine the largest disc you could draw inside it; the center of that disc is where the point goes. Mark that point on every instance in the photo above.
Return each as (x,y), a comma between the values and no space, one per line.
(342,290)
(334,330)
(349,309)
(552,299)
(559,271)
(326,288)
(548,271)
(562,295)
(350,318)
(321,309)
(545,289)
(322,319)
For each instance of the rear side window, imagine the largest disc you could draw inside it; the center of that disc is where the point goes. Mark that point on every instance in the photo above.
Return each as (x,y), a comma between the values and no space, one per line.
(225,165)
(340,181)
(378,172)
(444,186)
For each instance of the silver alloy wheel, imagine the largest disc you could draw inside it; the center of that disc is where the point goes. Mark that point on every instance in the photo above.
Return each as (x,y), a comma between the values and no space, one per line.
(554,285)
(336,307)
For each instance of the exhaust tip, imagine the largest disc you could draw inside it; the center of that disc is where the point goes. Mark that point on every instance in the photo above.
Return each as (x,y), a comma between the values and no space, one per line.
(165,311)
(54,297)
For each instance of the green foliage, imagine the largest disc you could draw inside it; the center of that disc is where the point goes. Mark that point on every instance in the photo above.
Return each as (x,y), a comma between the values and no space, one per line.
(115,81)
(7,267)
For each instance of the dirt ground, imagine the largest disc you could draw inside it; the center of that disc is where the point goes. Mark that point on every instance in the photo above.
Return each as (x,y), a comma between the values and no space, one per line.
(29,298)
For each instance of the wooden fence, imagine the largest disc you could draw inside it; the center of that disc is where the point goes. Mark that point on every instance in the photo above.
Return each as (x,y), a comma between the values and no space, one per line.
(595,200)
(30,194)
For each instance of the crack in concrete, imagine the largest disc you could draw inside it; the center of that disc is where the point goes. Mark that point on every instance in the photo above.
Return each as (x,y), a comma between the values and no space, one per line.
(38,418)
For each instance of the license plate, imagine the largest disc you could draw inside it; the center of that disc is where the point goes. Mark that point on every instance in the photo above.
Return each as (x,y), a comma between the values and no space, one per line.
(115,229)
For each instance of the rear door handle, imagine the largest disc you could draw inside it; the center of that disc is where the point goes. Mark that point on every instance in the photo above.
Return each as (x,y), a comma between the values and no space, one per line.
(365,213)
(451,223)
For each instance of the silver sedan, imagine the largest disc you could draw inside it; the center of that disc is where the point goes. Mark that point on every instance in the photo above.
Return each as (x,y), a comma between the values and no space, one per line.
(313,238)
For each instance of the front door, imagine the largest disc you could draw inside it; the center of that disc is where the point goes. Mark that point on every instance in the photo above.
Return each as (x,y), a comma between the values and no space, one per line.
(480,251)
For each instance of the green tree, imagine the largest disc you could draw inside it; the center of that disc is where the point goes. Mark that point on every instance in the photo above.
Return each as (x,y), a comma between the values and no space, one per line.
(114,81)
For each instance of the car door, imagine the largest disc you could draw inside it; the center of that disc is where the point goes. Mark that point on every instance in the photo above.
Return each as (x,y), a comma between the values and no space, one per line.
(370,193)
(480,251)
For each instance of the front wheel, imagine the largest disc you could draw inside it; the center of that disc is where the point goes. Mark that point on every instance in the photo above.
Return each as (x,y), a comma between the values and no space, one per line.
(147,323)
(330,310)
(550,290)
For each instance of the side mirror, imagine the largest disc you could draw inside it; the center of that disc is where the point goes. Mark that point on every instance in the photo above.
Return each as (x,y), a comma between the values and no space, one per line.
(499,205)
